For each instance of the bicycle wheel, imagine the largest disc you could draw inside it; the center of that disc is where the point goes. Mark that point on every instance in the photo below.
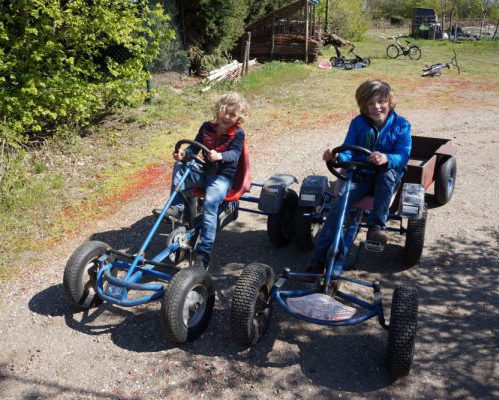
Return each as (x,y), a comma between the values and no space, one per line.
(392,51)
(414,53)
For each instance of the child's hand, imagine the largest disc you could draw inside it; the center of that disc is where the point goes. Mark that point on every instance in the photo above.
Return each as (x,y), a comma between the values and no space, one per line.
(328,155)
(214,155)
(378,158)
(178,156)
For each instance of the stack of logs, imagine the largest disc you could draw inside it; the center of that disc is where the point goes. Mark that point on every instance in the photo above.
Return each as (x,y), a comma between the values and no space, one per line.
(230,71)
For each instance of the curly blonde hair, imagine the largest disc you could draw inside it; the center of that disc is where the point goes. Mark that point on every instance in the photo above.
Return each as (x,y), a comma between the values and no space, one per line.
(230,102)
(371,88)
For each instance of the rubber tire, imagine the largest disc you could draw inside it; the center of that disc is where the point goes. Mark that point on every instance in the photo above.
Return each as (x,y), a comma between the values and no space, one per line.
(304,236)
(366,61)
(445,181)
(402,331)
(172,306)
(83,294)
(392,51)
(334,61)
(414,53)
(414,239)
(250,306)
(280,226)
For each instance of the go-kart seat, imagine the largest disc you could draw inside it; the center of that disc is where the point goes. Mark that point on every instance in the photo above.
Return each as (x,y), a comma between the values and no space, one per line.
(366,203)
(242,180)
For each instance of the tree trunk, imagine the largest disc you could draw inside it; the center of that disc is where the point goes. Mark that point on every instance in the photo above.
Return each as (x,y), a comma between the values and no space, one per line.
(495,32)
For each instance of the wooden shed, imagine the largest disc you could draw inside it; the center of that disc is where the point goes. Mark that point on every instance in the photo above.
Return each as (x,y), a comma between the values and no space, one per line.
(289,33)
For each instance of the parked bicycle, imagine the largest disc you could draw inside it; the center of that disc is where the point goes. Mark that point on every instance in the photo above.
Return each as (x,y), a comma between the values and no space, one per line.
(436,69)
(396,49)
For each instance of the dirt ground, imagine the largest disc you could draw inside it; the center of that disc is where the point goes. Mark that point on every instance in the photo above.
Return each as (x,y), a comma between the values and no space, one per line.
(47,351)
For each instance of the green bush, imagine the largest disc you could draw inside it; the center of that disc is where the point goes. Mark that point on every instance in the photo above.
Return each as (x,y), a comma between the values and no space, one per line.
(61,62)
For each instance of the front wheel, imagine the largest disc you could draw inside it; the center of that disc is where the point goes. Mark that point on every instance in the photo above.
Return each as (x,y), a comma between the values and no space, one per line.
(402,331)
(280,226)
(445,181)
(80,275)
(251,305)
(392,51)
(414,53)
(188,304)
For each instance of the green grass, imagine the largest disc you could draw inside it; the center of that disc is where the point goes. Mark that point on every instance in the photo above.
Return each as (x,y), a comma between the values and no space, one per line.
(283,96)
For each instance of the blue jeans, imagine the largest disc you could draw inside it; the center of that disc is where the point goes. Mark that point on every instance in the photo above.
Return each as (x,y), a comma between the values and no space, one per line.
(384,184)
(216,188)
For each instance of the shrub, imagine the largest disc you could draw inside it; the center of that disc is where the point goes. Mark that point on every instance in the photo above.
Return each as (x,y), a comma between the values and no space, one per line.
(61,62)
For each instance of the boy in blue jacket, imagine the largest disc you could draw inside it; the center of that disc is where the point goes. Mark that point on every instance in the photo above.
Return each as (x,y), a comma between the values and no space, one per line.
(224,137)
(388,135)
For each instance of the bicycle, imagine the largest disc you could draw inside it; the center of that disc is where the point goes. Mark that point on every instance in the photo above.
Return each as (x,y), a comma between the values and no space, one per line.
(436,69)
(396,48)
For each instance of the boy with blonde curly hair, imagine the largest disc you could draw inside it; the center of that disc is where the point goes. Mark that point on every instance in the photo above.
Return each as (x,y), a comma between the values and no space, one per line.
(224,137)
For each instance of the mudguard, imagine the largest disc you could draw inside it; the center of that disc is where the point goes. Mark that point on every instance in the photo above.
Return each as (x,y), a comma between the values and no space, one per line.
(274,192)
(312,191)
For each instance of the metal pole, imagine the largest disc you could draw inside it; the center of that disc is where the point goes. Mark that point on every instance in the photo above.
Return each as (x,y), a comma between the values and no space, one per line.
(307,17)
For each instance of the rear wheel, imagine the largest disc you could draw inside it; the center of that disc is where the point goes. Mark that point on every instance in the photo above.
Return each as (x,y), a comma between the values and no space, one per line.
(445,181)
(392,51)
(188,304)
(280,226)
(414,240)
(305,229)
(80,275)
(402,331)
(251,307)
(414,53)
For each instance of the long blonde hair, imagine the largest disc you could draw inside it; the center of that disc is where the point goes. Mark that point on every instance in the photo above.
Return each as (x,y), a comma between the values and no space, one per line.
(371,88)
(229,102)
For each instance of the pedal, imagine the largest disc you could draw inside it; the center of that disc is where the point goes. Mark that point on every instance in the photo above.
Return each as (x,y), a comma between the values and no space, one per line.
(375,247)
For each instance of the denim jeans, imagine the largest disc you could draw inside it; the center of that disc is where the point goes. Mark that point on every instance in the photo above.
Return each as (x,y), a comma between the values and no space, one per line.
(384,184)
(216,188)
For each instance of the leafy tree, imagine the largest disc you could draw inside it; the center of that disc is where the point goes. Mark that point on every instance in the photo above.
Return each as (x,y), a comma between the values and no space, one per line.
(347,18)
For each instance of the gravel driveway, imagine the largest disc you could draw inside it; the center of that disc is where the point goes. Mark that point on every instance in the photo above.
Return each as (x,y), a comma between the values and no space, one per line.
(46,351)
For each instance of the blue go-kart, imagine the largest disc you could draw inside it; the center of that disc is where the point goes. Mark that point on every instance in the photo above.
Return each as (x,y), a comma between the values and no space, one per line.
(96,273)
(321,301)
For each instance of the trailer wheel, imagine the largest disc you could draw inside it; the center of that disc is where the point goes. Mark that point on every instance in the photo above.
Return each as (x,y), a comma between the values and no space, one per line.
(305,229)
(402,331)
(445,181)
(414,239)
(188,304)
(251,307)
(80,275)
(280,226)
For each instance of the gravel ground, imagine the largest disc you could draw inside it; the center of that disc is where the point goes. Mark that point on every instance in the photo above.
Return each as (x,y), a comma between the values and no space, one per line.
(47,351)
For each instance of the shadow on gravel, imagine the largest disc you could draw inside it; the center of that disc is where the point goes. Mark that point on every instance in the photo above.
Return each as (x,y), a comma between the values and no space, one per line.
(50,390)
(456,349)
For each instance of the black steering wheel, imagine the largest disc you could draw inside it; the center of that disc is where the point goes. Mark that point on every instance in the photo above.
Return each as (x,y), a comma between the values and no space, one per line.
(333,166)
(206,167)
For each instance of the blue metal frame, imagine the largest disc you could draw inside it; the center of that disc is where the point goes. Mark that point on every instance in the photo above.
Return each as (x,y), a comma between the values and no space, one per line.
(116,290)
(342,241)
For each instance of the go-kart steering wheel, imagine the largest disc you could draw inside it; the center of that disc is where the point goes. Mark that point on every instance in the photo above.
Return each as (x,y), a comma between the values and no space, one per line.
(207,167)
(349,165)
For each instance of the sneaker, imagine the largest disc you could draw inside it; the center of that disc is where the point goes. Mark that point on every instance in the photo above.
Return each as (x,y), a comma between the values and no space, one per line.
(376,235)
(174,212)
(201,261)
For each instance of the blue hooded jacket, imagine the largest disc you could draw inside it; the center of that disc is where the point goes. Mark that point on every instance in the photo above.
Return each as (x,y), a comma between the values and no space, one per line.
(393,140)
